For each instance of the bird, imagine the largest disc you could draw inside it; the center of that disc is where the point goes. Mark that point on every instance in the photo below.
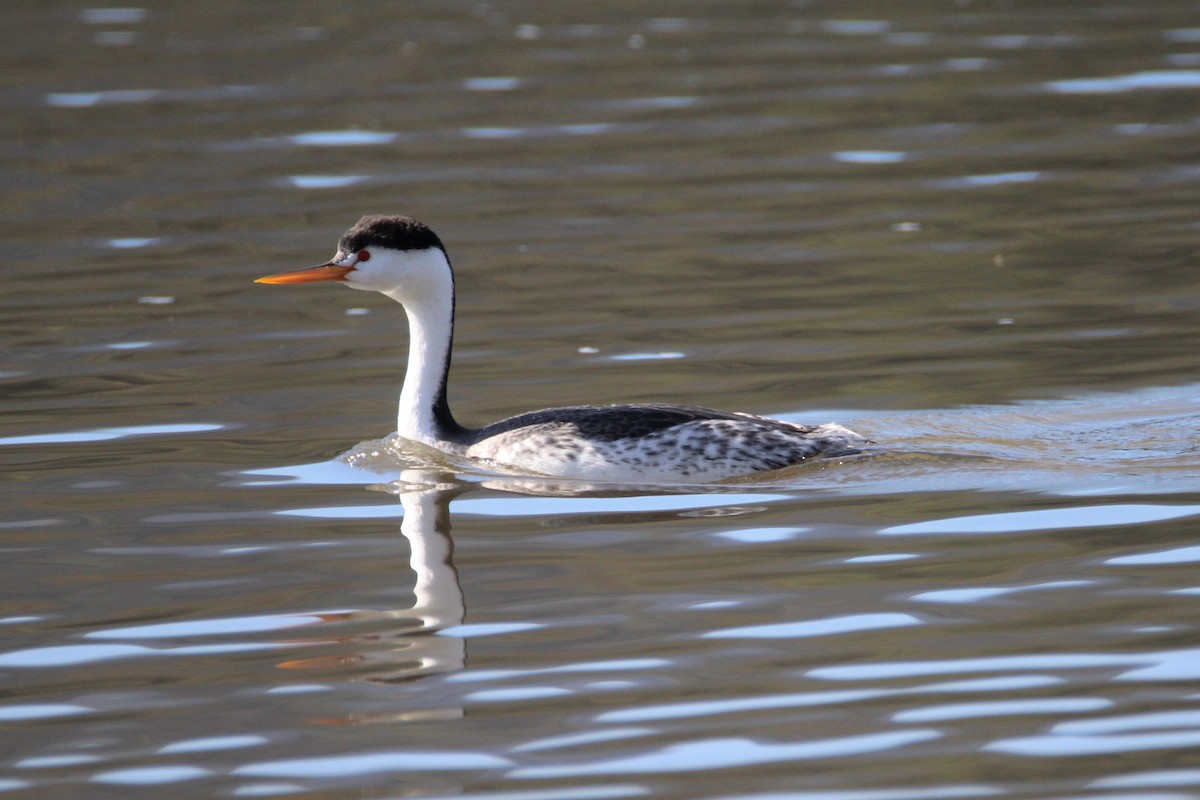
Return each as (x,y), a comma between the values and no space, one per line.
(655,443)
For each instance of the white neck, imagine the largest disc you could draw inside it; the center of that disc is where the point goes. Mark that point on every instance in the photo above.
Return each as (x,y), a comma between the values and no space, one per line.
(429,305)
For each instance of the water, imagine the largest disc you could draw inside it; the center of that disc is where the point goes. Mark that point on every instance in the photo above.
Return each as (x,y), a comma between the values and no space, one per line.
(966,230)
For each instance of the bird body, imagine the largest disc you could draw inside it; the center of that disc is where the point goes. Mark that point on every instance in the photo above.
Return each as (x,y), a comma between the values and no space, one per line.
(657,443)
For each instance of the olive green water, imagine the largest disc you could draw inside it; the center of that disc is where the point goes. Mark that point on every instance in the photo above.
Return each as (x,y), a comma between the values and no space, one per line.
(967,230)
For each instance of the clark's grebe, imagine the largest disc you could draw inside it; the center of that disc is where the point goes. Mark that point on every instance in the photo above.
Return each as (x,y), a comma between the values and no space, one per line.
(649,442)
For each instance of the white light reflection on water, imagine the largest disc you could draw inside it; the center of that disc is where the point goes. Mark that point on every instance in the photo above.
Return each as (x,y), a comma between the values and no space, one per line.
(69,655)
(728,753)
(108,434)
(1166,777)
(130,243)
(31,711)
(1131,722)
(66,760)
(1049,519)
(856,27)
(653,103)
(1188,35)
(368,763)
(1152,79)
(1051,745)
(112,16)
(491,84)
(211,627)
(869,157)
(150,776)
(210,743)
(974,595)
(645,356)
(817,627)
(521,694)
(329,473)
(763,535)
(497,132)
(995,179)
(350,138)
(1165,665)
(882,558)
(1178,555)
(324,181)
(89,99)
(1003,708)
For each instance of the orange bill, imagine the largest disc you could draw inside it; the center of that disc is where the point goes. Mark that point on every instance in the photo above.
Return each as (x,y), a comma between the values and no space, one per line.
(325,272)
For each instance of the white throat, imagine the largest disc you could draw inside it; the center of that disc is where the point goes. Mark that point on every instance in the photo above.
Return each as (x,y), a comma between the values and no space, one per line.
(427,295)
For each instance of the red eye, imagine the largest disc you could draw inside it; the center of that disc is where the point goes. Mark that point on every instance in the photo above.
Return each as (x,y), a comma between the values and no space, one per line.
(363,255)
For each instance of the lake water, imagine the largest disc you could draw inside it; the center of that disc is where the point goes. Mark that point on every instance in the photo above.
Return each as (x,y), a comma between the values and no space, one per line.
(968,230)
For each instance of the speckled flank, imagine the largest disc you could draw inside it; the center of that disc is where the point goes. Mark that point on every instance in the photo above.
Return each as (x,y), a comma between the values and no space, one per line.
(692,452)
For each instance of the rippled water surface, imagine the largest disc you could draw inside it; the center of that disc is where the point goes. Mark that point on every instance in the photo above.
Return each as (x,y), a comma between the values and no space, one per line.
(968,230)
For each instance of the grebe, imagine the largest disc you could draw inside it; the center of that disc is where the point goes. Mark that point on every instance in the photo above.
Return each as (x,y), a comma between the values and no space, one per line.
(650,442)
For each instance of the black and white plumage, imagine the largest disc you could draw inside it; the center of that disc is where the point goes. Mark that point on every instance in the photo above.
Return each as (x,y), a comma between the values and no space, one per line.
(658,443)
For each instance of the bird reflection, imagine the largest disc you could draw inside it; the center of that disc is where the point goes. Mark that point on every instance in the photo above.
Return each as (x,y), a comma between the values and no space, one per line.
(412,647)
(425,496)
(408,644)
